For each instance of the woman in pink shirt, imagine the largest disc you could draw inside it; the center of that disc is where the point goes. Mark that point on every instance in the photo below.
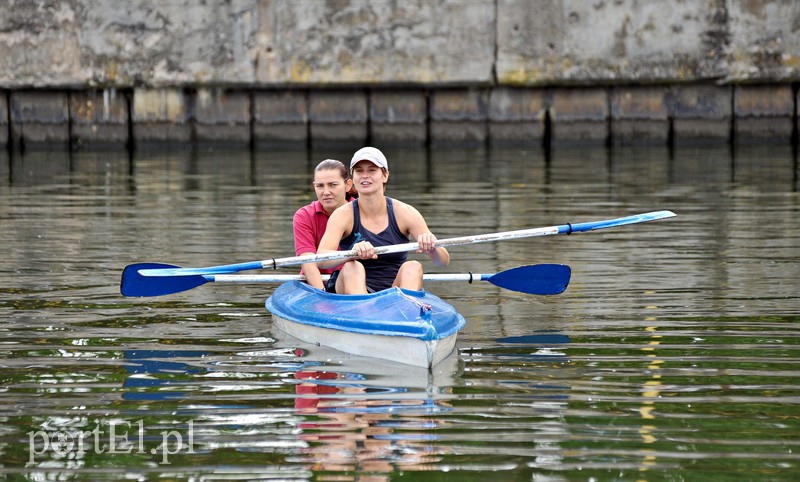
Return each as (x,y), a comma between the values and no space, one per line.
(334,188)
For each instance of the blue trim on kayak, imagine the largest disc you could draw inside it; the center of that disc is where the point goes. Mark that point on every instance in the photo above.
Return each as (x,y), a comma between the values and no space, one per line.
(391,312)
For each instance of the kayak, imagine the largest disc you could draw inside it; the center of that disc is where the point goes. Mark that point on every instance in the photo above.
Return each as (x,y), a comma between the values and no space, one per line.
(411,327)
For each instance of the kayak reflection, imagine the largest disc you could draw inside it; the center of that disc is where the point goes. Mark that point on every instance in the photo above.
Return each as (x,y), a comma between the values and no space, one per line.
(363,414)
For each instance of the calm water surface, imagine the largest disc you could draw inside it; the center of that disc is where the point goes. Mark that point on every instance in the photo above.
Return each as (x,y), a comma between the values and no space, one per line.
(673,355)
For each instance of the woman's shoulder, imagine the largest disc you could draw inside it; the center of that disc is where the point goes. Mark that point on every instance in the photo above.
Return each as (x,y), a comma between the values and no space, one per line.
(403,208)
(345,209)
(348,206)
(307,210)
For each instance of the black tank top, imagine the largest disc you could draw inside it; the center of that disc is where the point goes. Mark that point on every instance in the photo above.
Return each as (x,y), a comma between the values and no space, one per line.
(381,272)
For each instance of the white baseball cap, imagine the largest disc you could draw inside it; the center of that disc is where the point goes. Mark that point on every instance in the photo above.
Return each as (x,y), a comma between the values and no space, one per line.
(369,154)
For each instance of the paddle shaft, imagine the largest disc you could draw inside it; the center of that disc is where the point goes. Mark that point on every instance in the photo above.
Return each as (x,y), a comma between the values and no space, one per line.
(282,278)
(276,263)
(481,238)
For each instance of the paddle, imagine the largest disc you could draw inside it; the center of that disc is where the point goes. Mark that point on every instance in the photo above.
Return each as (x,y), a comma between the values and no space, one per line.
(157,270)
(136,276)
(540,279)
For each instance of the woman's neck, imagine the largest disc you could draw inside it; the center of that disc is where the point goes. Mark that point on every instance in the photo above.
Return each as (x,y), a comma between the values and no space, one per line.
(372,203)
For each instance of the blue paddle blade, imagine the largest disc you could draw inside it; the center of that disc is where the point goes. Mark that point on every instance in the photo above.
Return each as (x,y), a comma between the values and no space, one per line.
(134,284)
(539,279)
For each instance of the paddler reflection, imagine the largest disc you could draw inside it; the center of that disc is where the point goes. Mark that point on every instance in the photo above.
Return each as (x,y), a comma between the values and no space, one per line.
(377,420)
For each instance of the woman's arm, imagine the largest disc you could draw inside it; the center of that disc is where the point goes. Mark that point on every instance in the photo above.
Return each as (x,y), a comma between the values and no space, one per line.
(303,229)
(337,229)
(410,221)
(313,276)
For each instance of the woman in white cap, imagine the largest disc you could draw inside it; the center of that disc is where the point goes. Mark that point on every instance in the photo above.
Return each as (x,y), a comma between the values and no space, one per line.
(375,219)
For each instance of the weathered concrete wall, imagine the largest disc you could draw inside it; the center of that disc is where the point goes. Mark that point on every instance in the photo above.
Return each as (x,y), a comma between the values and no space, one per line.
(78,43)
(261,72)
(557,41)
(81,43)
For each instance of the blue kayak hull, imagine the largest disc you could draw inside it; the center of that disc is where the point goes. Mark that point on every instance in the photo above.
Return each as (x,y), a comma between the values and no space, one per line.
(412,327)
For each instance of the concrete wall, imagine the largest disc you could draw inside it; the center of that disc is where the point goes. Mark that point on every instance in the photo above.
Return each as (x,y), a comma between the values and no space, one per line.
(98,72)
(108,43)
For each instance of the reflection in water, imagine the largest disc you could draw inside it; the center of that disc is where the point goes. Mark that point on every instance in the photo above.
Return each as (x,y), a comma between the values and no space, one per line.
(650,393)
(144,368)
(359,433)
(670,356)
(310,388)
(368,415)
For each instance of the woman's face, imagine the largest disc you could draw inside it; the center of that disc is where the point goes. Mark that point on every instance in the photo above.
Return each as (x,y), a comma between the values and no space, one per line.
(330,189)
(368,177)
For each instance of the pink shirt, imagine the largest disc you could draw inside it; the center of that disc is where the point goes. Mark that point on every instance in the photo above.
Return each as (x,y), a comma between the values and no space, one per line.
(309,225)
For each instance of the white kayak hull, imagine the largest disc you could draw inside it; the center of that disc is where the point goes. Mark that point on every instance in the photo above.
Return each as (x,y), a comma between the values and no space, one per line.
(410,327)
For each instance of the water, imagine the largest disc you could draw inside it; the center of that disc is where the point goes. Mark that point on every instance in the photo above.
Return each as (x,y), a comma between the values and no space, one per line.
(673,354)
